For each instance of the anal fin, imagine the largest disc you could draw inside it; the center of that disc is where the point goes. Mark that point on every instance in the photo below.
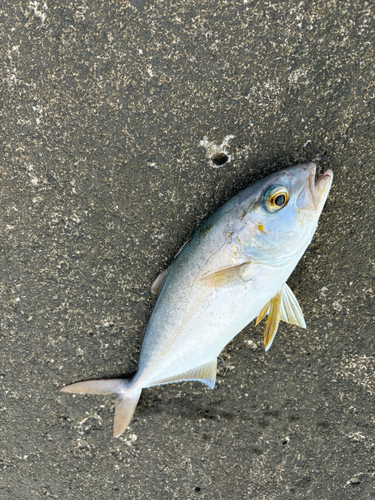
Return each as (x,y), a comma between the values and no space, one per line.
(205,373)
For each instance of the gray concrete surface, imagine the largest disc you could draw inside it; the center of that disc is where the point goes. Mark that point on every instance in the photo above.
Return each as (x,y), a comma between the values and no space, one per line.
(103,109)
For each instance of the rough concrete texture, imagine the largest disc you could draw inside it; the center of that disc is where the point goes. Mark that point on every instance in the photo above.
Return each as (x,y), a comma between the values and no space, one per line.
(103,177)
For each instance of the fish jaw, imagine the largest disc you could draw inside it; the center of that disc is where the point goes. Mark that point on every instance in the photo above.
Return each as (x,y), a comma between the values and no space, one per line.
(314,193)
(323,186)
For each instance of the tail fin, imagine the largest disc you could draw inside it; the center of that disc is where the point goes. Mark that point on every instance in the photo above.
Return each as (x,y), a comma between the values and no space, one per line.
(126,401)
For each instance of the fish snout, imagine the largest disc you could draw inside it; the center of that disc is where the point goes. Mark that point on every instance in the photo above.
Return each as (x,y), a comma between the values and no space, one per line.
(322,186)
(314,193)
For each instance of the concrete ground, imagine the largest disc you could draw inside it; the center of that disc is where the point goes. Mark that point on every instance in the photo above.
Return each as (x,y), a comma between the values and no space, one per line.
(109,114)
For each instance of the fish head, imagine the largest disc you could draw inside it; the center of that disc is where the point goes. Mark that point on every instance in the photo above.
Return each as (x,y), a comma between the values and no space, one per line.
(279,214)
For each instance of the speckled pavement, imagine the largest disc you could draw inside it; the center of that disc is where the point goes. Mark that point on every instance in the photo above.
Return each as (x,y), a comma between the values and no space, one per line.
(111,116)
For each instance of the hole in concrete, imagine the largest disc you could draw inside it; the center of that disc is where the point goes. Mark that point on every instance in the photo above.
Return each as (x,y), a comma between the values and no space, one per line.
(219,159)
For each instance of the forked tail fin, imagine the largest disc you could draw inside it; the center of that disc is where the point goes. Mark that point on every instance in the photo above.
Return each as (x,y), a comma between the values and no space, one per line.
(126,401)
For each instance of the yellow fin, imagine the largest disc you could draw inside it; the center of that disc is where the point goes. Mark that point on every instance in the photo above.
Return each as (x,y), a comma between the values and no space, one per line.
(159,282)
(282,307)
(226,277)
(262,313)
(204,373)
(273,320)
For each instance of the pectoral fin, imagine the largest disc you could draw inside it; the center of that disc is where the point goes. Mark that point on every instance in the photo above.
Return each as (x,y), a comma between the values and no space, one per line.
(262,313)
(283,306)
(204,373)
(227,277)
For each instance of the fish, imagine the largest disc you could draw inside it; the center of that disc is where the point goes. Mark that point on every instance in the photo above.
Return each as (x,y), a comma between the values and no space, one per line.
(232,271)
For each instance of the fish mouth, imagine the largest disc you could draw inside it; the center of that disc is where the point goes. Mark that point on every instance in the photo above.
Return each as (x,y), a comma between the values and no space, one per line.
(322,186)
(314,192)
(319,189)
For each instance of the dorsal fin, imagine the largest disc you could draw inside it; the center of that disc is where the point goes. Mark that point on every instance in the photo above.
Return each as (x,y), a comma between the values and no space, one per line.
(159,282)
(205,373)
(283,306)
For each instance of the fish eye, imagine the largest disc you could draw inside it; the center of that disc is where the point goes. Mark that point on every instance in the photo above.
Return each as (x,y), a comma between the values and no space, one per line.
(276,198)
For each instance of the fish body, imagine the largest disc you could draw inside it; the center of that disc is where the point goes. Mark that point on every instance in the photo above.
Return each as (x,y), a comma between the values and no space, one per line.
(232,271)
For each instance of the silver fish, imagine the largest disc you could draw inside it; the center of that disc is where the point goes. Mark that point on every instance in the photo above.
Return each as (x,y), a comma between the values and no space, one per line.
(233,270)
